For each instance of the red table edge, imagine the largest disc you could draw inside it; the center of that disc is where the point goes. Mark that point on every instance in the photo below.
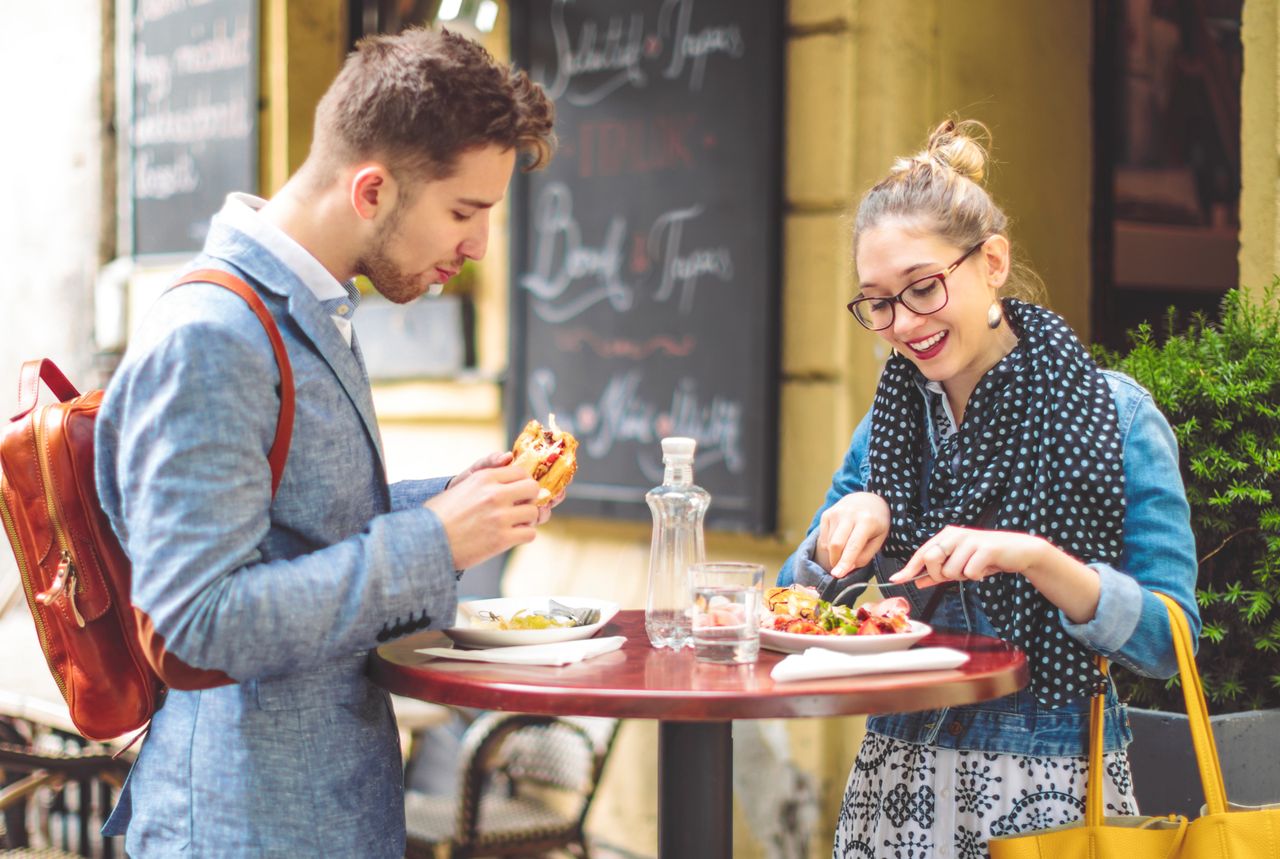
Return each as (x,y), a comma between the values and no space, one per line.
(883,694)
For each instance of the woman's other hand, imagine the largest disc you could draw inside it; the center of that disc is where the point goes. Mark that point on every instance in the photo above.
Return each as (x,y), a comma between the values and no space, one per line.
(850,533)
(955,554)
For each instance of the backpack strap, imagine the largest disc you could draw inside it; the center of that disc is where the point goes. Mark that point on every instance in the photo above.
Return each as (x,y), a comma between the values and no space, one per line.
(29,385)
(279,453)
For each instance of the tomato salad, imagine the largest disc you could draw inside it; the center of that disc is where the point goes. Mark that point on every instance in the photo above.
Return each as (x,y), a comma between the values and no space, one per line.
(798,609)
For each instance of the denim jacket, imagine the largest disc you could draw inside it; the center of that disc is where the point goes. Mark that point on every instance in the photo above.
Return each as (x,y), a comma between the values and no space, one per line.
(1130,626)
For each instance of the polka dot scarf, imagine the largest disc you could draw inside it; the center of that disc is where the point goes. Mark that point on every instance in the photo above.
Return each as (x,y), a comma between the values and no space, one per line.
(1040,447)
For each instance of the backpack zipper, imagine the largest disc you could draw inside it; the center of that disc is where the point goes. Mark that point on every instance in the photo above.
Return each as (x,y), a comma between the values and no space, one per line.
(64,582)
(24,572)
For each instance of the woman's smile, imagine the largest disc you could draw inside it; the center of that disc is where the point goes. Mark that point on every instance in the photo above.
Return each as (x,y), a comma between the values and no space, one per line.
(928,347)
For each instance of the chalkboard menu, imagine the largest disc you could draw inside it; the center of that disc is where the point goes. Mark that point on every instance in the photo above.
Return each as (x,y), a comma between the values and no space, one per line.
(194,134)
(646,257)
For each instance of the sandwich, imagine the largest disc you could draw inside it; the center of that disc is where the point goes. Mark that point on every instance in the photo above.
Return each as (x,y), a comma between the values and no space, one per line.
(549,454)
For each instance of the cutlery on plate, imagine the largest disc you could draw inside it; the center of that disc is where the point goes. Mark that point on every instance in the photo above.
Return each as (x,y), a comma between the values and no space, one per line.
(580,616)
(846,596)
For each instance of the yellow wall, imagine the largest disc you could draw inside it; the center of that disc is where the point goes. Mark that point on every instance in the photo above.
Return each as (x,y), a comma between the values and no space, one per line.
(302,47)
(1260,147)
(1024,70)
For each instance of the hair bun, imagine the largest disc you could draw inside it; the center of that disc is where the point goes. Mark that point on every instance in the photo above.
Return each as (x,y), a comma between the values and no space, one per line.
(954,146)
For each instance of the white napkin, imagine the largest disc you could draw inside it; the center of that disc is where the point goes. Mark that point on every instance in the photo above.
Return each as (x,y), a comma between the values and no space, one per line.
(818,662)
(560,653)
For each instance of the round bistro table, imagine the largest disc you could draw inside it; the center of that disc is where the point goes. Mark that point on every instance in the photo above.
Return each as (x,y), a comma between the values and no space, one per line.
(694,703)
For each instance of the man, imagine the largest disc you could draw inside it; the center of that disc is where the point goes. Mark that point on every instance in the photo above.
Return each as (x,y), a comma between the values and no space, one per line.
(414,143)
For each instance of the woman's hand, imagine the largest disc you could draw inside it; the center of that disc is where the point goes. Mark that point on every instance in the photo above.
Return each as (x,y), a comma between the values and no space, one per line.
(968,554)
(955,554)
(850,533)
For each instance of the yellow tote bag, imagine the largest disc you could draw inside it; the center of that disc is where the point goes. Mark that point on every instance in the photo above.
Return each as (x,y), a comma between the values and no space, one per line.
(1224,831)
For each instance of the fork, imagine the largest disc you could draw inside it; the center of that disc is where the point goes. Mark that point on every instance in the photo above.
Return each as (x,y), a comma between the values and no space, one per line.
(839,598)
(580,616)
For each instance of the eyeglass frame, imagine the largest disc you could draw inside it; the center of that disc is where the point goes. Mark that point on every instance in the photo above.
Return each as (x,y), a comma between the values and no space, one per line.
(897,299)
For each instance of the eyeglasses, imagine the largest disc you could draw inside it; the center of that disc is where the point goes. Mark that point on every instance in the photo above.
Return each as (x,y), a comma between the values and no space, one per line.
(924,296)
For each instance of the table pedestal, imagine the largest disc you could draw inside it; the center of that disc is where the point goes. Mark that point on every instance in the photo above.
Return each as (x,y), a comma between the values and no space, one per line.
(695,800)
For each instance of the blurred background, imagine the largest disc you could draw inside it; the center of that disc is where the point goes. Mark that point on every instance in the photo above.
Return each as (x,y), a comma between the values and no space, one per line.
(681,266)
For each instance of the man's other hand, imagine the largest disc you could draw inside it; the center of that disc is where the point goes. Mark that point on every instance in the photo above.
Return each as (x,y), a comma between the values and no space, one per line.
(490,460)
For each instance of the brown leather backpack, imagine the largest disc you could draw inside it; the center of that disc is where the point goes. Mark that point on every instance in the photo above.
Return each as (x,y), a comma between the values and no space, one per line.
(106,658)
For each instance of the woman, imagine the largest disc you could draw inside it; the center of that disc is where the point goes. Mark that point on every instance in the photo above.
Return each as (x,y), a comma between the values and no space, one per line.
(1044,493)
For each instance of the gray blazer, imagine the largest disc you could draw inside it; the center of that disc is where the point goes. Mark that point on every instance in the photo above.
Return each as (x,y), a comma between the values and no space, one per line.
(287,596)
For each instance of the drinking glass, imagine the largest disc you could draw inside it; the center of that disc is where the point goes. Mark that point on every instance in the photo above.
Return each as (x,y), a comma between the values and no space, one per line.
(726,611)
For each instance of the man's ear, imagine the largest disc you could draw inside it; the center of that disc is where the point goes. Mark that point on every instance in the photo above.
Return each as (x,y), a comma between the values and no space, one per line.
(373,191)
(995,252)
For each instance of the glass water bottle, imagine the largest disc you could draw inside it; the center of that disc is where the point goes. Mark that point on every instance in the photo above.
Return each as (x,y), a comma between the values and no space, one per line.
(678,507)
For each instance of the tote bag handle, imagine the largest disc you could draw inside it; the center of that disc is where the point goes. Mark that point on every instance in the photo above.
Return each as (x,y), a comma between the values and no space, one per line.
(1202,741)
(1215,792)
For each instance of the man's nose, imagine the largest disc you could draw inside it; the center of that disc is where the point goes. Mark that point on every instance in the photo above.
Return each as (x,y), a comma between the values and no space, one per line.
(475,245)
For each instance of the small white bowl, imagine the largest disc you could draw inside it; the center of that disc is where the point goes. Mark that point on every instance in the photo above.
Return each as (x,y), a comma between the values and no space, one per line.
(466,635)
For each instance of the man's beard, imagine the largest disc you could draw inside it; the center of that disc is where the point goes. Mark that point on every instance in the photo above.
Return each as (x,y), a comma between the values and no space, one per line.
(392,282)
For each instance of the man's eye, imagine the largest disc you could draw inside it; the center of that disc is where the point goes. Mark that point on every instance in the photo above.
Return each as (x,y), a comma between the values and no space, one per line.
(463,216)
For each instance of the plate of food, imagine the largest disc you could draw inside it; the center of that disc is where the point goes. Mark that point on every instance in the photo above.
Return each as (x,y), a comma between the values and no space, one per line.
(510,621)
(795,619)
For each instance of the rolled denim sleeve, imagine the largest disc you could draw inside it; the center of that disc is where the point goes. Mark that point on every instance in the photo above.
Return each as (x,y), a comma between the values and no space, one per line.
(1131,626)
(849,478)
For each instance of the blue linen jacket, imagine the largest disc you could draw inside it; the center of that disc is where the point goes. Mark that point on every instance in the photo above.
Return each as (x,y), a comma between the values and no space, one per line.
(1130,627)
(287,595)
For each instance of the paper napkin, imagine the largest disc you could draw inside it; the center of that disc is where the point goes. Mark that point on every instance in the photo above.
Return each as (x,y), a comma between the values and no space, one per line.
(819,662)
(560,653)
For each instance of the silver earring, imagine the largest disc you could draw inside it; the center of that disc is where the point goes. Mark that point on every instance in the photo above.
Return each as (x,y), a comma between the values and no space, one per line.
(994,315)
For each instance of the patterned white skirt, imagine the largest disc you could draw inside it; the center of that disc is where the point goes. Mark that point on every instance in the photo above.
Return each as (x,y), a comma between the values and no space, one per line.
(908,801)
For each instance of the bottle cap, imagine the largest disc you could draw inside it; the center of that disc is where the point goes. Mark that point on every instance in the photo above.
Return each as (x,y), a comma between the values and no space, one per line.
(678,447)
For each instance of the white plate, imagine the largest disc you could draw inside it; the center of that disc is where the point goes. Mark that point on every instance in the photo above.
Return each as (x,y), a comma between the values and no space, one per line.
(794,642)
(468,636)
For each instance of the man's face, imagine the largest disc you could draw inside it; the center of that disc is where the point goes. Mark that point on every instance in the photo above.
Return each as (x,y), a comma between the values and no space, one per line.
(445,224)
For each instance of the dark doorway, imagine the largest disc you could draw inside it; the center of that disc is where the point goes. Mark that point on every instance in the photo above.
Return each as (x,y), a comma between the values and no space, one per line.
(1166,89)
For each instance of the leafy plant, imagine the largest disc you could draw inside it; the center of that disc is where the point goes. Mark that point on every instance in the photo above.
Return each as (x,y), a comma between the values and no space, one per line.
(1218,383)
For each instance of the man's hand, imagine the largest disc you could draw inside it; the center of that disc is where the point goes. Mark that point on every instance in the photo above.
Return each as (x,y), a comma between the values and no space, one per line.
(850,533)
(497,460)
(488,511)
(491,460)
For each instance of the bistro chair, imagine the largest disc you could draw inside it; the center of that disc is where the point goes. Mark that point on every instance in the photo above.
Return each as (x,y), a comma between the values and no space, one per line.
(56,789)
(526,785)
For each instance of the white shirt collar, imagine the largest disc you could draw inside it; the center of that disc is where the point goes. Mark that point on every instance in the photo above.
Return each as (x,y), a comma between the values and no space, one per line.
(240,211)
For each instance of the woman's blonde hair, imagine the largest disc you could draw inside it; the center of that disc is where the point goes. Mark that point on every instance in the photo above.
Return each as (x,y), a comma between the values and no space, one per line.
(939,190)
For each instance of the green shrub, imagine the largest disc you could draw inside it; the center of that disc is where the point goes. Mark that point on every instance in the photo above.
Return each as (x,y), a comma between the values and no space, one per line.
(1218,383)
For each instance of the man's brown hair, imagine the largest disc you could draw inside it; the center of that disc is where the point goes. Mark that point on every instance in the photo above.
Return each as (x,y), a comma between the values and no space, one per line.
(419,99)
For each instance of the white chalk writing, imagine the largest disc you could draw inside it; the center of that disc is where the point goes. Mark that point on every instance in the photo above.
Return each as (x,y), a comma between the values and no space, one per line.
(683,270)
(560,257)
(612,54)
(568,276)
(160,181)
(687,45)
